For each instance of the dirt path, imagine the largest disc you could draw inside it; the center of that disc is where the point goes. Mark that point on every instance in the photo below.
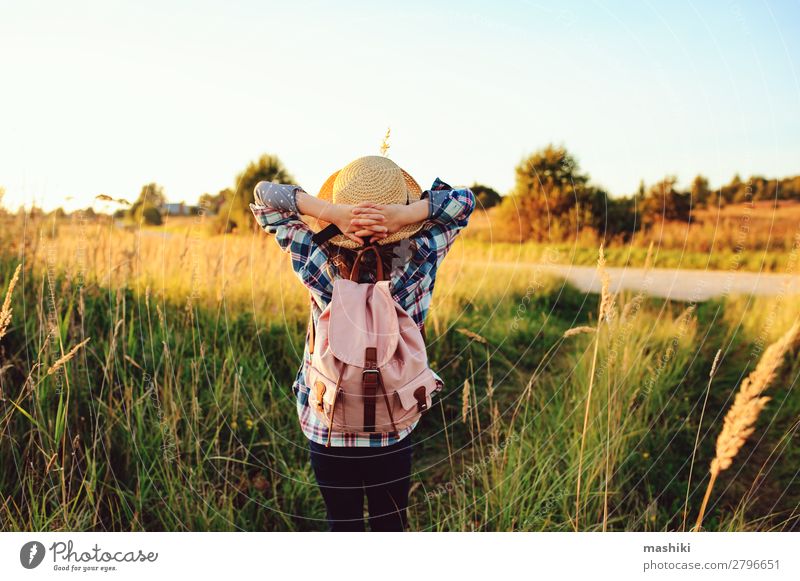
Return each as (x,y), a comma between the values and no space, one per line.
(682,285)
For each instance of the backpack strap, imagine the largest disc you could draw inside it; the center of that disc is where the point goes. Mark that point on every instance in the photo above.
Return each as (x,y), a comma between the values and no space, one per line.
(326,234)
(369,381)
(360,257)
(333,405)
(311,333)
(388,403)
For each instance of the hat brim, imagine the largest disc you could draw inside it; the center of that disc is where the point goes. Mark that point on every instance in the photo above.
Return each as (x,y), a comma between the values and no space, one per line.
(414,195)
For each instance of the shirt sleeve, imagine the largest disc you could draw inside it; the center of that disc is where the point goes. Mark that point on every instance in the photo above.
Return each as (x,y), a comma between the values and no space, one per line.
(449,212)
(277,196)
(294,236)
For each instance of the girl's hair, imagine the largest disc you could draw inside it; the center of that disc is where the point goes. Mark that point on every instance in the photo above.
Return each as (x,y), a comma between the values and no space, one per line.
(342,259)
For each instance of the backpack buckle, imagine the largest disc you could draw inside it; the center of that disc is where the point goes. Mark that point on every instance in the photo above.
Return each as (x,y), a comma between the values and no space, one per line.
(370,379)
(319,393)
(422,399)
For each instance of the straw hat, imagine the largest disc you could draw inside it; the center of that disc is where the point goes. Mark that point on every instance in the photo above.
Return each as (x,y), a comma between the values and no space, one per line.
(373,178)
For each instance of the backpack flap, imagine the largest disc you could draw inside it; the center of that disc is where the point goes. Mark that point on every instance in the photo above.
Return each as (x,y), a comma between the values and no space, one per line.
(416,395)
(361,316)
(322,389)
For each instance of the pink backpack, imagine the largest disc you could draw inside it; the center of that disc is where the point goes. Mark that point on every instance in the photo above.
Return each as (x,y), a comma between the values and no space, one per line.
(369,368)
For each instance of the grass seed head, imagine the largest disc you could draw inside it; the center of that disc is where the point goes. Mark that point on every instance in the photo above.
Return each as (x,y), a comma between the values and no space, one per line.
(740,420)
(5,311)
(578,331)
(72,352)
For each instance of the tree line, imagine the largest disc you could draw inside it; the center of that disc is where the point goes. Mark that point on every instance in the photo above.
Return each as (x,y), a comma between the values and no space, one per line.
(552,199)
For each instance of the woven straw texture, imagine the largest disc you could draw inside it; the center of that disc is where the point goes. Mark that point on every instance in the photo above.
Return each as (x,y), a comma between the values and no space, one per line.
(371,179)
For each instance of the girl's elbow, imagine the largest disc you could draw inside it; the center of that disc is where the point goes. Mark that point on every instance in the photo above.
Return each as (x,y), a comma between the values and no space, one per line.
(468,203)
(261,188)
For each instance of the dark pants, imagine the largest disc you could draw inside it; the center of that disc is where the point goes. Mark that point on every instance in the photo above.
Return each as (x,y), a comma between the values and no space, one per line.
(344,475)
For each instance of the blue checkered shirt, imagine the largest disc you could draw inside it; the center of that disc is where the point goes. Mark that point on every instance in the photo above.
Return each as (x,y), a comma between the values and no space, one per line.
(412,280)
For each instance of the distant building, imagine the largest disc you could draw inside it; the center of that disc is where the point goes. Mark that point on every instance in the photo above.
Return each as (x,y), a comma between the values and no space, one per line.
(179,209)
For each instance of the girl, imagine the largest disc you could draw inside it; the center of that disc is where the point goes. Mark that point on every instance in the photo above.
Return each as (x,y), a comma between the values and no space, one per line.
(371,200)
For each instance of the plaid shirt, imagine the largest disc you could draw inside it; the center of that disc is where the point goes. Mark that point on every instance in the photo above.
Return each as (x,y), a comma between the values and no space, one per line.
(412,279)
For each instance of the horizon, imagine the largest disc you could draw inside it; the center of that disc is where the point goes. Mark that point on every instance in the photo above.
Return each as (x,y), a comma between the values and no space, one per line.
(102,206)
(107,99)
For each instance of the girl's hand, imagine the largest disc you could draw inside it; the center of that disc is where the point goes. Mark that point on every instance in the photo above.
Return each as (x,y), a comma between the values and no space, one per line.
(359,222)
(366,223)
(395,216)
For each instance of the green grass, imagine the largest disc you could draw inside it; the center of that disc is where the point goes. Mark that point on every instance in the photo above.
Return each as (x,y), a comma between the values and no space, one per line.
(181,418)
(625,255)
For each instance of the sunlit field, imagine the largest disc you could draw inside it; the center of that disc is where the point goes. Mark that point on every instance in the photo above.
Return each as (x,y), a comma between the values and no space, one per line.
(755,237)
(145,376)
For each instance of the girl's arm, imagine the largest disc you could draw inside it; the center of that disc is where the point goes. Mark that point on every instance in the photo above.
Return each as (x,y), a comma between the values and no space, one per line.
(296,239)
(447,212)
(440,205)
(277,210)
(294,200)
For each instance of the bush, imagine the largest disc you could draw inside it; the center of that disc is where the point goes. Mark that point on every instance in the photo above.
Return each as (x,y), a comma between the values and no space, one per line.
(486,197)
(151,216)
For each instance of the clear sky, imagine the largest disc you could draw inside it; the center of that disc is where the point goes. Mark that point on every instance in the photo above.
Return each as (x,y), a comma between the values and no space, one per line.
(102,97)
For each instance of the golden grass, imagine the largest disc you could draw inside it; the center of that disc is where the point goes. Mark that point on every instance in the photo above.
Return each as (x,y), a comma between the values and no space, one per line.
(465,401)
(606,311)
(578,331)
(697,435)
(245,273)
(69,355)
(5,311)
(604,314)
(739,422)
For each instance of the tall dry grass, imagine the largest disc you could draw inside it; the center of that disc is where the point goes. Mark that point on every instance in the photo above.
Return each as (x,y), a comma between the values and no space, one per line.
(604,315)
(178,415)
(6,310)
(711,374)
(739,422)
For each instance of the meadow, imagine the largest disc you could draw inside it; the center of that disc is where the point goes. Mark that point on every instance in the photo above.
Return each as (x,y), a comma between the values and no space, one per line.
(145,375)
(755,237)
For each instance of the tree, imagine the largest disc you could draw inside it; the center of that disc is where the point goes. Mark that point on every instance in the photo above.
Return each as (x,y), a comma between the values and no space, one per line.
(700,191)
(34,213)
(235,211)
(151,197)
(790,188)
(715,200)
(743,193)
(152,216)
(550,200)
(485,196)
(211,203)
(730,192)
(664,202)
(621,218)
